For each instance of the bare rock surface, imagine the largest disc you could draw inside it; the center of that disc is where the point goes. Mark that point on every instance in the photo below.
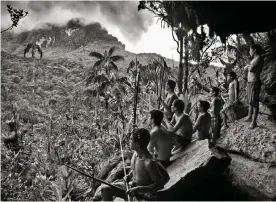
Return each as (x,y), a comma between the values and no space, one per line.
(256,179)
(193,166)
(258,144)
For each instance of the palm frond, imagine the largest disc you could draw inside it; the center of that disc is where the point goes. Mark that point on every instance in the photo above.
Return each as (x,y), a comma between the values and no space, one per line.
(112,66)
(104,85)
(130,66)
(100,79)
(97,63)
(96,55)
(111,51)
(90,79)
(116,58)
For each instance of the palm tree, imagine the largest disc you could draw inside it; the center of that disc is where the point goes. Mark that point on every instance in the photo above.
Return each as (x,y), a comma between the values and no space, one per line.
(102,75)
(105,62)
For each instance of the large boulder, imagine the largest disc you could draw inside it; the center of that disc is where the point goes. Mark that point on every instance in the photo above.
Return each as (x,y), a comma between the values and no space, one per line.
(192,170)
(258,143)
(268,91)
(256,179)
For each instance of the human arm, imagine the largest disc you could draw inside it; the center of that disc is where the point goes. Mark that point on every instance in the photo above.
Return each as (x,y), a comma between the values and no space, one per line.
(128,177)
(164,105)
(236,88)
(152,142)
(254,65)
(246,67)
(177,126)
(198,123)
(151,167)
(168,123)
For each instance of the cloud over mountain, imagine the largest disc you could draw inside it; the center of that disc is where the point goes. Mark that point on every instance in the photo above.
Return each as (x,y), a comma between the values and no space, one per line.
(118,17)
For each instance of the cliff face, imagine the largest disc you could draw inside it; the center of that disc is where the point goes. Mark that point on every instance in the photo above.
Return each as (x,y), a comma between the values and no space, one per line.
(253,153)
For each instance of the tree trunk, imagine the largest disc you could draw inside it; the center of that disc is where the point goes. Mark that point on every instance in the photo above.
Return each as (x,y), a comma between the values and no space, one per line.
(186,65)
(180,74)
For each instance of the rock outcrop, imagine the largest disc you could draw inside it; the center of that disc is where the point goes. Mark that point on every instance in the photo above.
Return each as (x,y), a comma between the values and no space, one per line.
(253,153)
(191,170)
(257,179)
(258,144)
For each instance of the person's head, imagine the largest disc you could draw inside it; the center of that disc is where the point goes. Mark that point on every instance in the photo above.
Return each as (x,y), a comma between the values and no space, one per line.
(255,49)
(203,106)
(178,105)
(171,85)
(156,117)
(232,76)
(215,91)
(140,139)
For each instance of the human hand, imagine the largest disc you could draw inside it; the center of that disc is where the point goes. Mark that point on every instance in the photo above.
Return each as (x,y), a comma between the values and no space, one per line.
(133,190)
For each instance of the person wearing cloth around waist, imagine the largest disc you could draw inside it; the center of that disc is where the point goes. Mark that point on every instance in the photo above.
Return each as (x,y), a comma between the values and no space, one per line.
(253,83)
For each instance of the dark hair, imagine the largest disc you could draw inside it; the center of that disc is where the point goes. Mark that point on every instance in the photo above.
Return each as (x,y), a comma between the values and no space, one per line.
(216,90)
(157,116)
(171,84)
(179,104)
(141,136)
(258,48)
(233,75)
(204,104)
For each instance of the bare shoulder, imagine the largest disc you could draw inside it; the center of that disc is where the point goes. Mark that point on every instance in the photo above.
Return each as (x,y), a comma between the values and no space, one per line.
(150,163)
(155,133)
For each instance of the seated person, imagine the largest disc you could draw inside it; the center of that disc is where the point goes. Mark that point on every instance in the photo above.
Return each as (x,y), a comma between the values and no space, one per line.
(203,122)
(181,125)
(160,140)
(171,96)
(148,175)
(233,97)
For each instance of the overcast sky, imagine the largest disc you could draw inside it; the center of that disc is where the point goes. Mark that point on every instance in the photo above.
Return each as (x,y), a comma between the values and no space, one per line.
(139,31)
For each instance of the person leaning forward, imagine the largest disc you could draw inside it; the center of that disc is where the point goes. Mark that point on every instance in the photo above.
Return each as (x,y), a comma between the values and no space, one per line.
(180,126)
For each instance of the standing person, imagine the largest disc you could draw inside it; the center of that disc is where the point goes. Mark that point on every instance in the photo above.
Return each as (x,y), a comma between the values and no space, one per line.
(148,176)
(203,122)
(217,104)
(181,125)
(233,97)
(253,83)
(171,96)
(160,139)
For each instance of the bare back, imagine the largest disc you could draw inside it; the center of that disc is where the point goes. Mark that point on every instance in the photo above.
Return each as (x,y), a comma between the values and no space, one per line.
(186,129)
(161,140)
(203,126)
(217,106)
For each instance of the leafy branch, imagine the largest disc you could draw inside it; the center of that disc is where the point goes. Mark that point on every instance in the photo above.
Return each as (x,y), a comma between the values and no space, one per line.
(16,15)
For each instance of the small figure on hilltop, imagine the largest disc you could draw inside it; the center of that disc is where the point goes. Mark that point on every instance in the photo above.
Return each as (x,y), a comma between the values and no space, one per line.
(33,46)
(254,83)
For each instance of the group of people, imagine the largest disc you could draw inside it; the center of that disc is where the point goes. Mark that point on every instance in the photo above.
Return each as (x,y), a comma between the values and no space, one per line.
(172,131)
